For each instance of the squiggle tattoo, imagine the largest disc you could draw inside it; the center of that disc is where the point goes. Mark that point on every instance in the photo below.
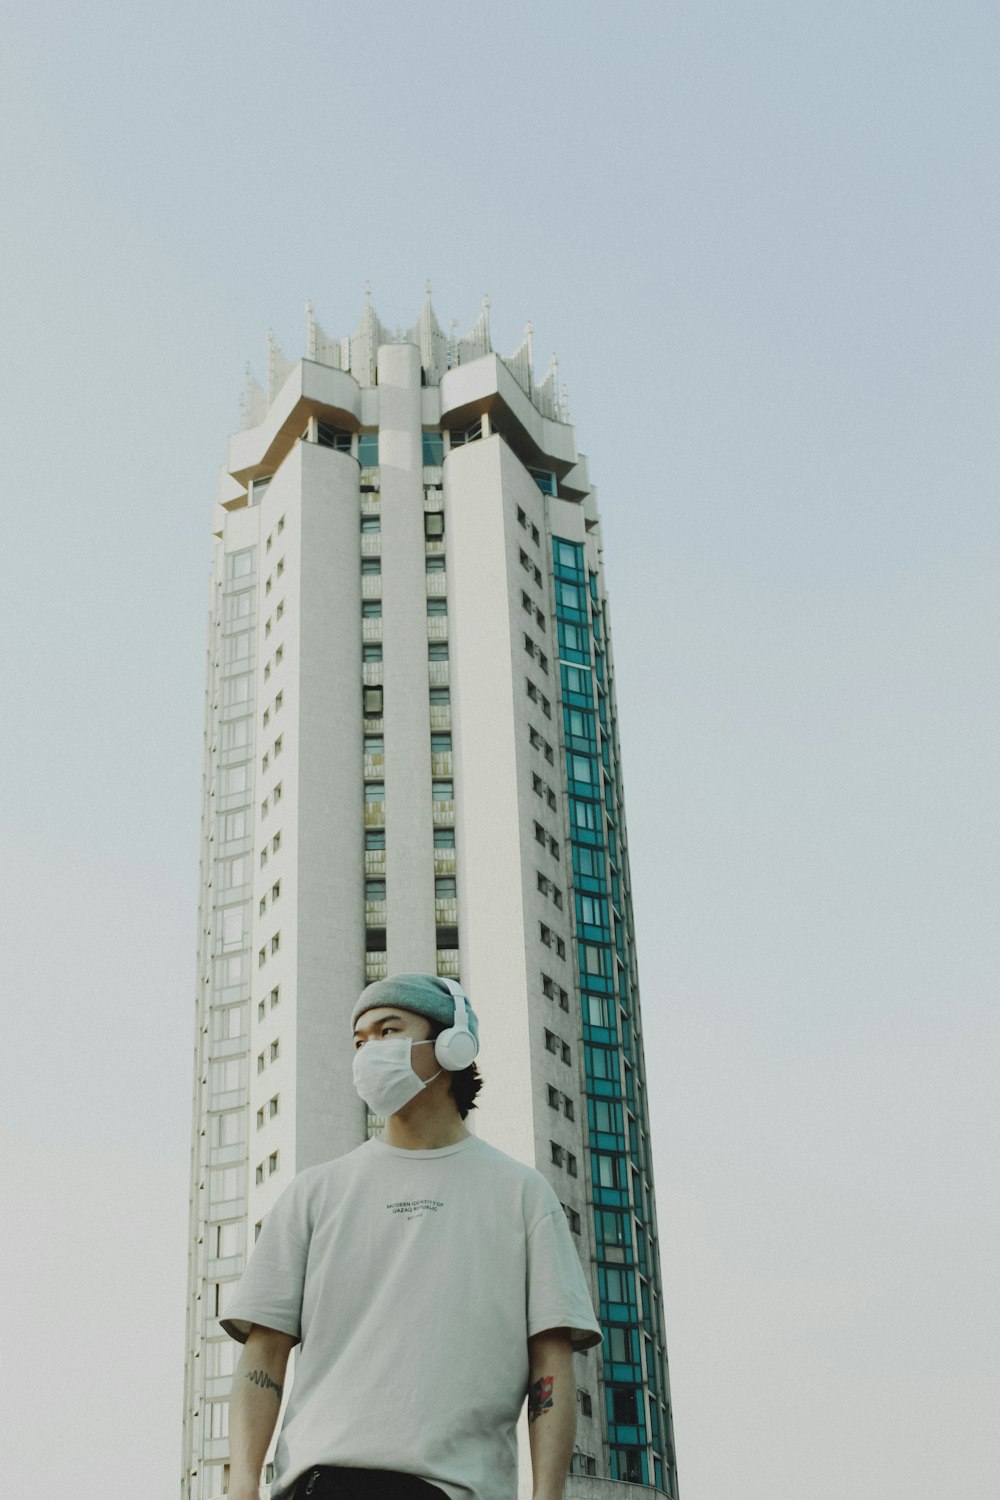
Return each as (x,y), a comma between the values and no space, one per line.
(540,1397)
(262,1378)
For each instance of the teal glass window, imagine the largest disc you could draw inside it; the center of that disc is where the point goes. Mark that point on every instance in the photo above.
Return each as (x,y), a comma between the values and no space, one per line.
(371,653)
(374,791)
(437,651)
(374,890)
(368,449)
(437,606)
(371,609)
(545,479)
(374,744)
(371,523)
(374,838)
(434,564)
(433,443)
(440,743)
(444,888)
(371,565)
(440,695)
(443,791)
(444,838)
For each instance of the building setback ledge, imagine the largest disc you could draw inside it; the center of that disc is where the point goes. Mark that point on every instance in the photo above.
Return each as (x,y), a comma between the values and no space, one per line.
(311,390)
(486,385)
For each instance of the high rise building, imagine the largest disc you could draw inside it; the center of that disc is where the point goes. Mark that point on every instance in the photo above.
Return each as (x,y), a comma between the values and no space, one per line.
(412,763)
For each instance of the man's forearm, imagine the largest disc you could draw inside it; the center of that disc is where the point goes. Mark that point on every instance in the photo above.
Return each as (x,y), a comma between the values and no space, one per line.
(253,1410)
(551,1414)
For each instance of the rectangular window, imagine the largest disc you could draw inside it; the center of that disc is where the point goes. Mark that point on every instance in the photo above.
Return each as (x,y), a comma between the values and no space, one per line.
(433,446)
(368,449)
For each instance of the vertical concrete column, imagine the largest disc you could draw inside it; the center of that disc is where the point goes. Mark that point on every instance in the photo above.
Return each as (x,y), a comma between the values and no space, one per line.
(409,835)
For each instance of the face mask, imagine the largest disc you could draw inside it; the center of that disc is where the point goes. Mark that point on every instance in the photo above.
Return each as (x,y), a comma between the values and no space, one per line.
(384,1077)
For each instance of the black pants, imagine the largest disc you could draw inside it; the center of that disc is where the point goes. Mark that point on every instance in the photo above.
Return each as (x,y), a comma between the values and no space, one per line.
(363,1484)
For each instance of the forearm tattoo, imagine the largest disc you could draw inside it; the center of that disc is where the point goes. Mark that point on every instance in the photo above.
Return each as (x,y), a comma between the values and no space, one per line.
(263,1379)
(540,1397)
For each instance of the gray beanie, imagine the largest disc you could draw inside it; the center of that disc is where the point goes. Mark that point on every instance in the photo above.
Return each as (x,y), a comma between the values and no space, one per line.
(425,994)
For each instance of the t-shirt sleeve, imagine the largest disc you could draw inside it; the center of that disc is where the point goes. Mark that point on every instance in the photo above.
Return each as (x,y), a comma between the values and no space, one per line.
(270,1289)
(557,1288)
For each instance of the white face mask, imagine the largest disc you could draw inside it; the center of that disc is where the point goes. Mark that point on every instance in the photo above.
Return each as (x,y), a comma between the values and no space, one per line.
(384,1076)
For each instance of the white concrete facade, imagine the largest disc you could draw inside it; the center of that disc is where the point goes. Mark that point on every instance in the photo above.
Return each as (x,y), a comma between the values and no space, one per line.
(393,517)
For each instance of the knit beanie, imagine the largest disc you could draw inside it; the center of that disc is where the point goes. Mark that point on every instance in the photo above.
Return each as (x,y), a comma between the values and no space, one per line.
(424,994)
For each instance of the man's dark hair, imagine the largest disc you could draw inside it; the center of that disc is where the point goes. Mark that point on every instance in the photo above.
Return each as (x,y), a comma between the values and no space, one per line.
(466,1083)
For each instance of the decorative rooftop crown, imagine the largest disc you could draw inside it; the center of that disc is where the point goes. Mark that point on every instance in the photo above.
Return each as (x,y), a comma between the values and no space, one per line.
(358,351)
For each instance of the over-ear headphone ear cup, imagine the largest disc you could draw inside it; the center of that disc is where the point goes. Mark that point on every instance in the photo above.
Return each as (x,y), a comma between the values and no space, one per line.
(455,1049)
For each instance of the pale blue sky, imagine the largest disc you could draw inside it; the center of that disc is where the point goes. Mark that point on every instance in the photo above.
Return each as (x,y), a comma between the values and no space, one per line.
(763,240)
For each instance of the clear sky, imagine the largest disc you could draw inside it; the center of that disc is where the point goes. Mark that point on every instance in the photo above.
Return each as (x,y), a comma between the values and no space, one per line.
(763,240)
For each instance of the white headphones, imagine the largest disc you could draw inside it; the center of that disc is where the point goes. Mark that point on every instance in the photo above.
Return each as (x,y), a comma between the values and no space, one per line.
(456,1047)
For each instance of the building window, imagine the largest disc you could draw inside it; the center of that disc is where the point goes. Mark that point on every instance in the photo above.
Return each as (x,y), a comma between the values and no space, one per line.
(471,434)
(371,523)
(444,888)
(328,436)
(275,995)
(371,652)
(371,609)
(371,566)
(374,838)
(260,1118)
(259,1174)
(374,890)
(374,791)
(434,563)
(433,450)
(275,1048)
(272,1162)
(368,449)
(275,942)
(557,1154)
(433,525)
(372,702)
(443,791)
(437,606)
(272,1107)
(553,1097)
(444,838)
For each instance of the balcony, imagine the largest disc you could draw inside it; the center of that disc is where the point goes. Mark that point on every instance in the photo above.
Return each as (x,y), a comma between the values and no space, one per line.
(447,963)
(370,478)
(375,913)
(437,585)
(371,585)
(371,673)
(371,630)
(434,546)
(375,863)
(377,967)
(375,814)
(437,627)
(437,673)
(445,913)
(444,862)
(440,714)
(441,763)
(371,544)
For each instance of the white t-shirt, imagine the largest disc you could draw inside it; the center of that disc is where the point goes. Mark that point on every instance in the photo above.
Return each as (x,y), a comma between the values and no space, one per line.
(413,1280)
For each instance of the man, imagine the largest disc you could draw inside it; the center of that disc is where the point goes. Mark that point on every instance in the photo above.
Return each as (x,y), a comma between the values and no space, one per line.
(432,1283)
